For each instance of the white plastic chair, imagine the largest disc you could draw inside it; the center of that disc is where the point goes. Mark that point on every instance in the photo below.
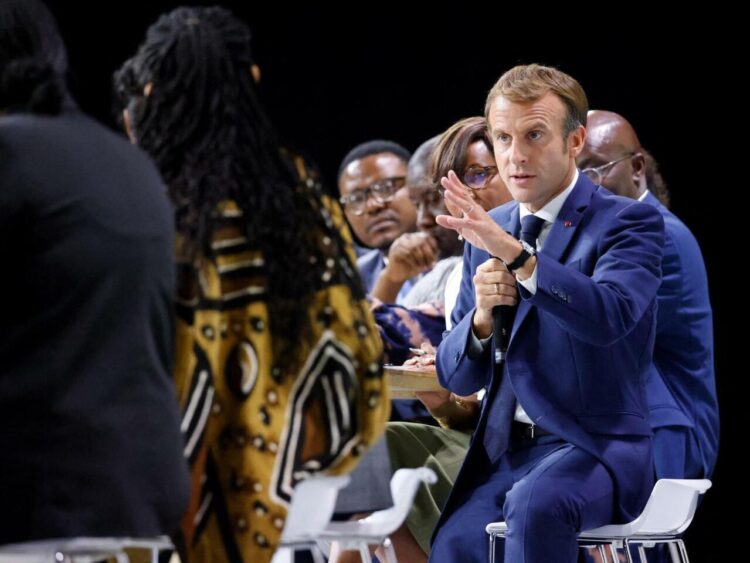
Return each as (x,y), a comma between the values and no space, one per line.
(313,502)
(667,514)
(81,550)
(375,529)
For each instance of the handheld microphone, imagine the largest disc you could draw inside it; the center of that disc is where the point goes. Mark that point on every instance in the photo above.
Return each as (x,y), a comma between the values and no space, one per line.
(502,323)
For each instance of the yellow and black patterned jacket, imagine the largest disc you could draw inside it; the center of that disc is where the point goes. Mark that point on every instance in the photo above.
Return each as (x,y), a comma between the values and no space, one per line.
(252,430)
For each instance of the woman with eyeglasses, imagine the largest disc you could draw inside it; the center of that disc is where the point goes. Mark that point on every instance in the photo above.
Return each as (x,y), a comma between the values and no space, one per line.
(466,148)
(277,359)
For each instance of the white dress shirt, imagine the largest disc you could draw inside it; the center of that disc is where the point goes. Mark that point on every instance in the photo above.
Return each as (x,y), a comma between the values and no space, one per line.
(549,213)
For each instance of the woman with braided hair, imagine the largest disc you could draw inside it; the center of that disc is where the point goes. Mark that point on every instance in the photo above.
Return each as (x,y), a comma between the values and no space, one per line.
(278,362)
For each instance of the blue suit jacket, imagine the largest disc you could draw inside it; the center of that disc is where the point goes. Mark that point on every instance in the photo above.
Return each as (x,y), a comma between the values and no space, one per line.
(680,385)
(580,346)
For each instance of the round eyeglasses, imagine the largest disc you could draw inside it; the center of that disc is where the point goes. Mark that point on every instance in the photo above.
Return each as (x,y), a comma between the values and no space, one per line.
(477,177)
(598,174)
(381,191)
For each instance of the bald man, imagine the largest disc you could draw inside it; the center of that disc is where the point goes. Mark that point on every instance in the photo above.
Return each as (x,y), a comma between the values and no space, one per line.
(680,384)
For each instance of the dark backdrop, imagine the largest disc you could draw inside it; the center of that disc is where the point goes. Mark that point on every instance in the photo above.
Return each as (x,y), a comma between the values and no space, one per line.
(334,78)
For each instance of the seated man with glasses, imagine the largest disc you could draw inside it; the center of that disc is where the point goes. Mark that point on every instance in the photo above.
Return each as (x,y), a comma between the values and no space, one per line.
(599,174)
(371,181)
(680,383)
(401,327)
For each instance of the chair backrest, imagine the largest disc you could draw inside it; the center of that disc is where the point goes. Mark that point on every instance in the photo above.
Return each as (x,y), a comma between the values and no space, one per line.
(404,485)
(313,503)
(671,506)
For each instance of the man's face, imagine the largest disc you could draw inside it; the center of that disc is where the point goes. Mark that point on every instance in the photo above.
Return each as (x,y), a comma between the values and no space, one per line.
(379,223)
(615,166)
(534,160)
(429,204)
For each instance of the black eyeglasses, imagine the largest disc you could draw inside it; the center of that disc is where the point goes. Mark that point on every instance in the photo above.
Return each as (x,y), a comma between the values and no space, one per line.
(477,177)
(382,191)
(598,174)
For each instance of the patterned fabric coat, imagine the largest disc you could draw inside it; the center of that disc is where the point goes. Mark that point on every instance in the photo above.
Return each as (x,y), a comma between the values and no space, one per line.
(252,429)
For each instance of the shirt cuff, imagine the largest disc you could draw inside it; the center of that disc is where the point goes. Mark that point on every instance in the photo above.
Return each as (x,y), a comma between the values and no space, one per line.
(529,284)
(477,347)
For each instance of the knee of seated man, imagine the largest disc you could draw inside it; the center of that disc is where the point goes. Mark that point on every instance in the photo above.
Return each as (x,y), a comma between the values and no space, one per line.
(532,504)
(676,454)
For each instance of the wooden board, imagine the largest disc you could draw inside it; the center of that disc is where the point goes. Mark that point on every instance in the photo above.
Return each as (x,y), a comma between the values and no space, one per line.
(404,380)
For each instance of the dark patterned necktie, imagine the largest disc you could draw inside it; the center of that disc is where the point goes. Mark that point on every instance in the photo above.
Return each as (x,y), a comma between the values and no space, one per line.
(502,403)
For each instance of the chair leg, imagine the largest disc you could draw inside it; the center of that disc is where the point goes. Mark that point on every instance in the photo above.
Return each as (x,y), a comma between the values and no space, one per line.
(626,547)
(683,551)
(364,553)
(613,553)
(492,548)
(389,551)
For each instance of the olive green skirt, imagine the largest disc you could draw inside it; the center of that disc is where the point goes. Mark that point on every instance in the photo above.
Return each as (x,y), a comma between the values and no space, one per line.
(419,445)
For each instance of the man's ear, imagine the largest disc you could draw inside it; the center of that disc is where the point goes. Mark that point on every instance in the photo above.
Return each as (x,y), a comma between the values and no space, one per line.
(576,140)
(638,165)
(255,71)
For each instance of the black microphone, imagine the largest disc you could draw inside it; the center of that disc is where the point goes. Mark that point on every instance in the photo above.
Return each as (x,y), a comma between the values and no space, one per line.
(502,323)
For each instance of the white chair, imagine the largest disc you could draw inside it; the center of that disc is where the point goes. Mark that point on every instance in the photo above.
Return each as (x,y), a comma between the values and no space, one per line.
(313,503)
(376,528)
(81,550)
(667,514)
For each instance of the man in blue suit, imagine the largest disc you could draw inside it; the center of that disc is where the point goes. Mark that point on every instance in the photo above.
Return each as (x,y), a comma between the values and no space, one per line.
(680,386)
(563,442)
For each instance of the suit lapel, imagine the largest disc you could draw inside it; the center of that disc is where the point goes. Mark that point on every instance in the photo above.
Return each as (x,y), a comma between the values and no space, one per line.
(560,236)
(511,221)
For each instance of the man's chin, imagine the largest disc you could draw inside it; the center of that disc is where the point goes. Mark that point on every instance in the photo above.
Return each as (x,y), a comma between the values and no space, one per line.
(384,239)
(385,245)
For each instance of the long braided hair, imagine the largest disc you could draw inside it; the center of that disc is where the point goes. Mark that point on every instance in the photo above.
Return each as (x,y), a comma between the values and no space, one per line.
(194,108)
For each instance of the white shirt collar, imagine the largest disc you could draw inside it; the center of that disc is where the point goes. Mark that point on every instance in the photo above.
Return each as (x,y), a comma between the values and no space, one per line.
(552,209)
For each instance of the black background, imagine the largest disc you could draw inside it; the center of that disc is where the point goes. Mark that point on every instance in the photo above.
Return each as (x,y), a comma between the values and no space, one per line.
(334,78)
